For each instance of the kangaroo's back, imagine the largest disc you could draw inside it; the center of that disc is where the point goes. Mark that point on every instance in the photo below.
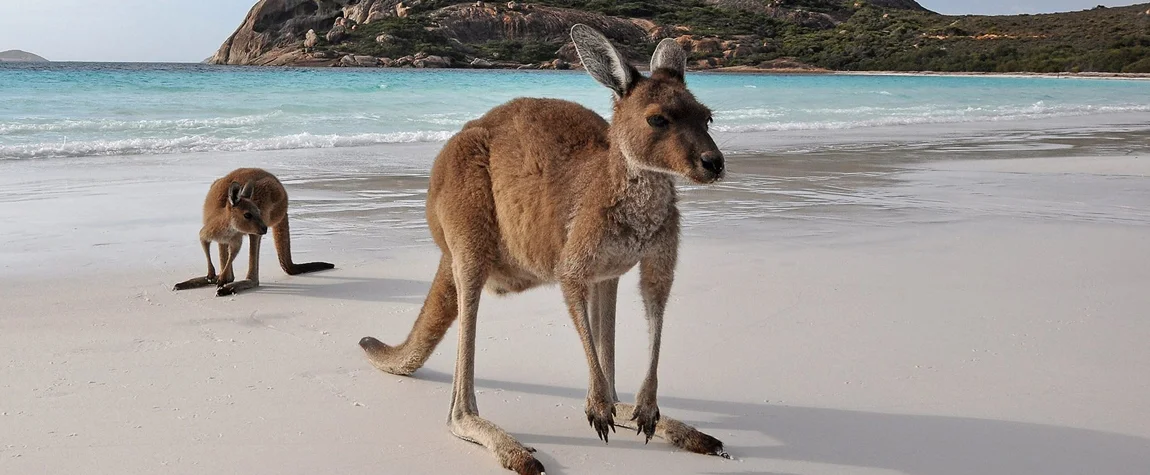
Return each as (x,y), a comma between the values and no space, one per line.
(267,192)
(543,158)
(546,148)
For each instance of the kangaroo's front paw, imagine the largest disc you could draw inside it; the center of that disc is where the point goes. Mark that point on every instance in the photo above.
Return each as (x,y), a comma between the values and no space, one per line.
(646,417)
(601,415)
(224,291)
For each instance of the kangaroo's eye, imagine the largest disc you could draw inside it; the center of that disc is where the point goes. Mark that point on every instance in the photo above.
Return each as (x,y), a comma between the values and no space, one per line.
(657,121)
(248,216)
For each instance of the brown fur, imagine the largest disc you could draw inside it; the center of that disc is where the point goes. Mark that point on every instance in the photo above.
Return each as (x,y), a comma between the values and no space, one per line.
(541,191)
(245,202)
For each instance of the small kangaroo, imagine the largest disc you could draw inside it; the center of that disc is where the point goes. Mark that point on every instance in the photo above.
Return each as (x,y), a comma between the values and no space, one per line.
(231,211)
(540,191)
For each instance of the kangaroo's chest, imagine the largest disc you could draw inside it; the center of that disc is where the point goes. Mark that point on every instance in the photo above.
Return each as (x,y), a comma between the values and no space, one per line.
(537,232)
(636,223)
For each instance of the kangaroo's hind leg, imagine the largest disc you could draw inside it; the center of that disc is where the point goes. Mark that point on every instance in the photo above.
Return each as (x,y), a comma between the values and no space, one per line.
(470,236)
(253,279)
(470,274)
(210,279)
(467,233)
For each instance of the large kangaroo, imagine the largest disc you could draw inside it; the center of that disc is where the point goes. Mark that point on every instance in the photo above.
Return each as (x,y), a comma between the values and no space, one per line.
(540,191)
(233,210)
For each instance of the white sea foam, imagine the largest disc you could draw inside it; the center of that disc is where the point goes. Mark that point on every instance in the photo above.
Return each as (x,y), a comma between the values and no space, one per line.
(187,144)
(749,113)
(967,115)
(452,119)
(109,125)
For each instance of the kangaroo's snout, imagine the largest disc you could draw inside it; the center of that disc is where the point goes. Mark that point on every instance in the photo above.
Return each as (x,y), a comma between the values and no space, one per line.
(713,162)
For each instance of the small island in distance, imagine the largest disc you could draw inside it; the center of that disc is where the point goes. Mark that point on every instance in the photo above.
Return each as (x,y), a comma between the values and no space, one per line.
(15,55)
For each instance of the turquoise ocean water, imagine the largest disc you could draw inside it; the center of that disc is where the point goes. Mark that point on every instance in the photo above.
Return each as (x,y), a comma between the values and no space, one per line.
(79,110)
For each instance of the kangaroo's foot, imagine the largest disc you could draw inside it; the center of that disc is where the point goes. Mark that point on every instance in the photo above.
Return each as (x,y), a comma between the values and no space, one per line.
(511,454)
(646,417)
(676,433)
(233,288)
(391,359)
(196,283)
(600,414)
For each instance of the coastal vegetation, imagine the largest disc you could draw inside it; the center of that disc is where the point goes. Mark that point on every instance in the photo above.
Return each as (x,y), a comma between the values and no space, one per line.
(843,35)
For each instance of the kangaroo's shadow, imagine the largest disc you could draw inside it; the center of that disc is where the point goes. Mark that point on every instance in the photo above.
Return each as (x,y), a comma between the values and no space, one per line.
(364,289)
(913,444)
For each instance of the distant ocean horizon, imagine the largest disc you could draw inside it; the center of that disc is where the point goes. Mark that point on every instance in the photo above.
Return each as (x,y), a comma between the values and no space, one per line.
(52,110)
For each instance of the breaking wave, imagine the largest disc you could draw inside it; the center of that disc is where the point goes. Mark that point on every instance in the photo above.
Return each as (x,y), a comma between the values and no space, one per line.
(188,144)
(897,117)
(111,125)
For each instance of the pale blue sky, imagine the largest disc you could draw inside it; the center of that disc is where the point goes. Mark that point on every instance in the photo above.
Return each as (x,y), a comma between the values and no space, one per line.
(191,30)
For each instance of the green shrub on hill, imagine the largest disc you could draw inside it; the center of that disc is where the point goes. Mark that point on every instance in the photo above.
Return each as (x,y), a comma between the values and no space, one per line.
(861,36)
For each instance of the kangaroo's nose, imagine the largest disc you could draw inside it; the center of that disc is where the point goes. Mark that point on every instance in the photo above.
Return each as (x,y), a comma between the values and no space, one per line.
(263,230)
(713,161)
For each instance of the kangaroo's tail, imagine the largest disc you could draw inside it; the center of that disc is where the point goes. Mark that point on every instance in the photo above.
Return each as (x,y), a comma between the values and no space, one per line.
(282,234)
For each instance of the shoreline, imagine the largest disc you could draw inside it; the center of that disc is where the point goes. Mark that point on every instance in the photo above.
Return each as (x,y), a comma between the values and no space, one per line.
(1082,75)
(807,138)
(813,70)
(369,191)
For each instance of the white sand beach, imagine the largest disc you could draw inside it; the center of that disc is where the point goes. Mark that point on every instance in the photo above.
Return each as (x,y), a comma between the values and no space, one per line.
(834,312)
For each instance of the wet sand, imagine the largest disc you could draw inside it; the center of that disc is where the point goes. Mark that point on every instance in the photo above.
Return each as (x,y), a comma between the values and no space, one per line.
(912,306)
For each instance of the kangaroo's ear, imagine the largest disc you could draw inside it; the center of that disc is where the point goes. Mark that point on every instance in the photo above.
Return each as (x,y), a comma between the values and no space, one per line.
(602,61)
(247,190)
(234,193)
(670,56)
